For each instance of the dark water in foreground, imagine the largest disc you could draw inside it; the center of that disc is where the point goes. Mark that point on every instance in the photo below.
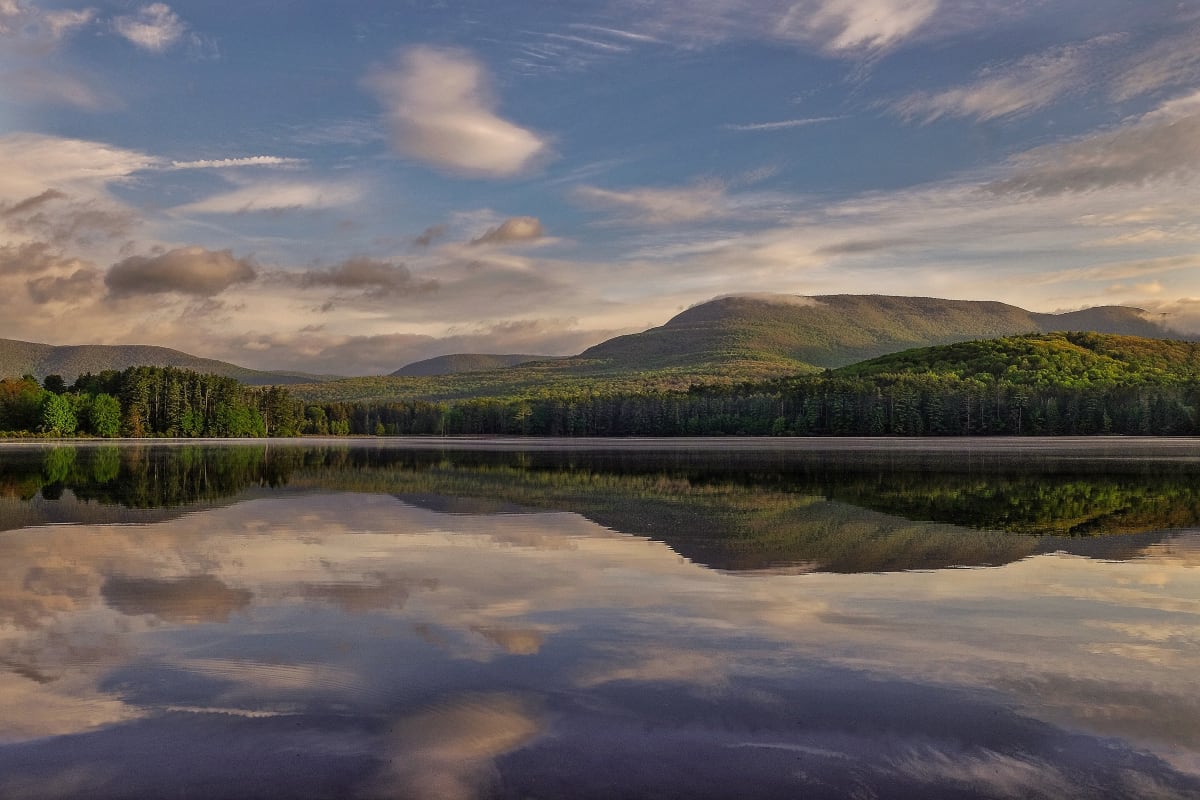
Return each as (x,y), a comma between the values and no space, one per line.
(536,620)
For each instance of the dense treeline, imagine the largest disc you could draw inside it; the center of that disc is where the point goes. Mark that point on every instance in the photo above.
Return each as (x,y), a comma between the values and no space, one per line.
(816,406)
(146,401)
(1046,384)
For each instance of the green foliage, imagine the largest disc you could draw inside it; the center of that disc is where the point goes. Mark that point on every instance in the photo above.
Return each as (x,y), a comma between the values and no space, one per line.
(104,415)
(58,418)
(149,401)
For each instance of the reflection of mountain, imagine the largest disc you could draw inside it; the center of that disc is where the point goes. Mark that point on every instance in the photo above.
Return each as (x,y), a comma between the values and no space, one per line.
(756,515)
(728,511)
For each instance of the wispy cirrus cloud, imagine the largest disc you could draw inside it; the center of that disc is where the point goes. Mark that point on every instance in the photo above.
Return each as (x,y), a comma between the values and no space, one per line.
(440,111)
(681,205)
(275,197)
(1006,90)
(854,25)
(1160,144)
(658,205)
(779,125)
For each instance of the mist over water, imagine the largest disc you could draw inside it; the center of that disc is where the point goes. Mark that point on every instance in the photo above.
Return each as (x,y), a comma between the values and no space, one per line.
(650,619)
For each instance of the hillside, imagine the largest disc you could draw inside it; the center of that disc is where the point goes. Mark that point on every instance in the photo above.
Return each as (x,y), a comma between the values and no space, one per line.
(1049,359)
(835,330)
(465,362)
(20,358)
(734,339)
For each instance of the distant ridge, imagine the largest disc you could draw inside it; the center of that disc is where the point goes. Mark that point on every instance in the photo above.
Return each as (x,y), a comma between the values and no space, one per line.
(465,362)
(19,358)
(829,331)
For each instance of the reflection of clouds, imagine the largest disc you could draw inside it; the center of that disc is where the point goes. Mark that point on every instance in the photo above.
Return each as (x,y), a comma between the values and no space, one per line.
(514,641)
(69,704)
(985,773)
(349,600)
(195,598)
(384,592)
(448,751)
(657,664)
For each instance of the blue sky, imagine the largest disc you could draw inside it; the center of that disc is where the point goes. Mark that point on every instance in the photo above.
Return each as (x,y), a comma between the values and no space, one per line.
(349,187)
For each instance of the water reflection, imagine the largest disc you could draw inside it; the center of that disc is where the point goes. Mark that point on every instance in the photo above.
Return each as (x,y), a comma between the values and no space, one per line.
(359,622)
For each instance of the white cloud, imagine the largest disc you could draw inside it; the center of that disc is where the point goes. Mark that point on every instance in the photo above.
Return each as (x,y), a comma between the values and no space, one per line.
(658,206)
(33,25)
(702,200)
(155,27)
(1164,143)
(249,161)
(850,25)
(780,124)
(1170,61)
(34,162)
(275,197)
(440,111)
(1005,90)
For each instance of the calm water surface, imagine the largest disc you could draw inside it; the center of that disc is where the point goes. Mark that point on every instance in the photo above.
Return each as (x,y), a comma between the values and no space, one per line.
(649,619)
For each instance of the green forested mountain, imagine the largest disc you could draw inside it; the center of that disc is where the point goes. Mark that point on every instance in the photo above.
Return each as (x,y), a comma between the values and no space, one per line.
(799,333)
(735,339)
(1048,359)
(29,358)
(465,362)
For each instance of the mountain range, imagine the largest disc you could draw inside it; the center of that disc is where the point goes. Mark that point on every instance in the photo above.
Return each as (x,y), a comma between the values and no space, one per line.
(19,358)
(729,338)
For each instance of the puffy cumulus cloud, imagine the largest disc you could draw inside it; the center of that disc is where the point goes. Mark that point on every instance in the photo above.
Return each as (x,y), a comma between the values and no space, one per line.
(1006,90)
(440,111)
(57,217)
(79,285)
(516,229)
(375,279)
(185,270)
(1163,143)
(30,258)
(853,25)
(276,197)
(154,27)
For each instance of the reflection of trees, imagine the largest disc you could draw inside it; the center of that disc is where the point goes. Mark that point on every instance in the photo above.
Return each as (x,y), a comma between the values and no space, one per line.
(733,511)
(145,476)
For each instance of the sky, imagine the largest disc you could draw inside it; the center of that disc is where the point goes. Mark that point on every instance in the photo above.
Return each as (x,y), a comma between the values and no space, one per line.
(346,188)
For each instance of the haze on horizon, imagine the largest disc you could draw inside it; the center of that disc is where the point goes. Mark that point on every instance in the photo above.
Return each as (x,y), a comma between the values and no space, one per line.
(347,188)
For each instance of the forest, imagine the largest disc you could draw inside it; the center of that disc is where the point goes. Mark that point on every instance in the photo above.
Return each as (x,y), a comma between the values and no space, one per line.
(145,401)
(1044,384)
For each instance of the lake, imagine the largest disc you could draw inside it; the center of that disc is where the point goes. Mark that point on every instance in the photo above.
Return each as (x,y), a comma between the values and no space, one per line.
(597,619)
